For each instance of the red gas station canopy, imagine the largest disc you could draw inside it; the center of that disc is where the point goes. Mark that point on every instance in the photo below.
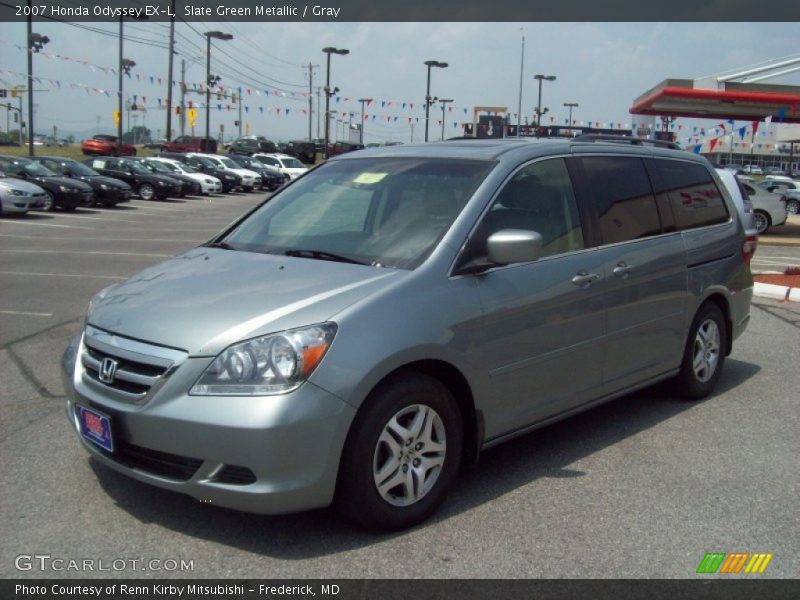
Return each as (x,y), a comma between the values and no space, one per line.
(738,101)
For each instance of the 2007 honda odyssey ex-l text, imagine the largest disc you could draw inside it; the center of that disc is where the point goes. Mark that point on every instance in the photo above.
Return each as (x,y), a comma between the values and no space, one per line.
(379,321)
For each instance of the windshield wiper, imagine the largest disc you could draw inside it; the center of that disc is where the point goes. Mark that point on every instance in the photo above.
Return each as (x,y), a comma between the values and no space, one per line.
(223,245)
(320,254)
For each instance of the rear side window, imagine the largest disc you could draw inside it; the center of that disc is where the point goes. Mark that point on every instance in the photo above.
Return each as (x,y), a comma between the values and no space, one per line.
(626,207)
(693,196)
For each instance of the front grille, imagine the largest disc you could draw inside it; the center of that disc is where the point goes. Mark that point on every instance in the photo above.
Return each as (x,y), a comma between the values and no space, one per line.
(131,377)
(234,475)
(137,370)
(163,464)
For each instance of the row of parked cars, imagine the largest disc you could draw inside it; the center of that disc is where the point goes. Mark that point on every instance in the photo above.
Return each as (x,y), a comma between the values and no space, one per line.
(47,182)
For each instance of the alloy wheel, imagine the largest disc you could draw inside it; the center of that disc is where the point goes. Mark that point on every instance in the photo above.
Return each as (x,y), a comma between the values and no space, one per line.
(706,350)
(762,223)
(409,455)
(146,191)
(49,202)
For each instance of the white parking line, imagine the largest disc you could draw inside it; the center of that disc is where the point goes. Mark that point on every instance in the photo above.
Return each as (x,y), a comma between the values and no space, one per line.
(91,239)
(25,314)
(45,224)
(85,252)
(88,218)
(62,275)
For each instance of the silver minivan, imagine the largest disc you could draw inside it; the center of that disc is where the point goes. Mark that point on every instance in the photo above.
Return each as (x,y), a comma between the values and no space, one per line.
(378,322)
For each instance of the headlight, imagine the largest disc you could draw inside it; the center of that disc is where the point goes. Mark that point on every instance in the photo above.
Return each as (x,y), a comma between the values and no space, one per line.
(103,186)
(272,364)
(64,188)
(18,193)
(161,183)
(210,181)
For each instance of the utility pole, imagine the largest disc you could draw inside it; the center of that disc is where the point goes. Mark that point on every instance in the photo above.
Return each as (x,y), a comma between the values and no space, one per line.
(169,70)
(521,66)
(319,90)
(311,68)
(240,112)
(183,97)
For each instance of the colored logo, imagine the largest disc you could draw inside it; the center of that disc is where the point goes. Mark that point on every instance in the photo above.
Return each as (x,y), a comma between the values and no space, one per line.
(734,562)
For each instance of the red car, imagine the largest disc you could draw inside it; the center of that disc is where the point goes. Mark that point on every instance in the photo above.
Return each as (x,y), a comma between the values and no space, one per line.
(190,143)
(106,145)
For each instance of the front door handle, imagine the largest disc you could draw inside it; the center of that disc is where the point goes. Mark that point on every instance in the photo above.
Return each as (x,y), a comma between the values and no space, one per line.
(622,270)
(584,279)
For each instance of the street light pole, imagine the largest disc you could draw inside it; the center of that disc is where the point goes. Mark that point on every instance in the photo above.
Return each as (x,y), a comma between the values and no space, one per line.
(169,70)
(570,105)
(539,112)
(209,80)
(362,101)
(444,102)
(521,66)
(328,92)
(36,42)
(428,100)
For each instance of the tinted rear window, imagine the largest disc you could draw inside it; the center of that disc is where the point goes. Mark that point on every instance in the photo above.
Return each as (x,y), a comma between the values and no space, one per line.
(626,207)
(692,193)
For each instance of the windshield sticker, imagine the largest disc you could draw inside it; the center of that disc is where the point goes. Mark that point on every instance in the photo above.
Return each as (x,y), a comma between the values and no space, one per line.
(369,178)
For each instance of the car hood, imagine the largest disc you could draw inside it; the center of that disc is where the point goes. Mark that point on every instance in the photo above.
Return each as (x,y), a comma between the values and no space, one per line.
(102,179)
(245,173)
(20,184)
(205,299)
(65,181)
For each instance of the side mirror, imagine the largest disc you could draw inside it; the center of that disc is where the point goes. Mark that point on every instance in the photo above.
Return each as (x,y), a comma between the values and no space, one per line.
(510,246)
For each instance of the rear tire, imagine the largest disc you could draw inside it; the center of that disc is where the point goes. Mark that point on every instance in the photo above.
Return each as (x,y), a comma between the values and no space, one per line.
(704,355)
(793,207)
(402,454)
(762,222)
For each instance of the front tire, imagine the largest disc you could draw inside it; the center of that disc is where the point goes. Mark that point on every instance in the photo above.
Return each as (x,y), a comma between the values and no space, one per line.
(762,222)
(704,355)
(402,454)
(146,191)
(49,202)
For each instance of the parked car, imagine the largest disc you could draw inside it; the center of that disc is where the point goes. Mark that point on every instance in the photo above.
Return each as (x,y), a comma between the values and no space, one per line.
(344,147)
(290,166)
(61,192)
(18,196)
(304,150)
(251,144)
(380,321)
(753,170)
(249,179)
(271,177)
(189,186)
(230,181)
(146,184)
(785,186)
(208,183)
(107,190)
(744,206)
(190,143)
(774,171)
(770,209)
(106,145)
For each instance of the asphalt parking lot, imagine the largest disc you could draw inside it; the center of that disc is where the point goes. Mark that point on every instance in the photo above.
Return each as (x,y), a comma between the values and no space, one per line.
(641,487)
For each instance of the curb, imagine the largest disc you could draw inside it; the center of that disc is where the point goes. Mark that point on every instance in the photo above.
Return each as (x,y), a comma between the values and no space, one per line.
(776,292)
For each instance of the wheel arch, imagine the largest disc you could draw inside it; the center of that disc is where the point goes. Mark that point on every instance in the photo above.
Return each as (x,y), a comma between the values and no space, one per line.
(456,383)
(723,303)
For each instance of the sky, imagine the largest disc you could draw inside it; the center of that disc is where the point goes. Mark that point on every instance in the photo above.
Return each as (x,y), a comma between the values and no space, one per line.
(601,66)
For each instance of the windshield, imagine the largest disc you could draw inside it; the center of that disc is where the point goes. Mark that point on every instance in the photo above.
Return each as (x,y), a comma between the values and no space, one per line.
(37,169)
(292,163)
(157,166)
(206,162)
(169,166)
(381,211)
(229,163)
(80,169)
(135,167)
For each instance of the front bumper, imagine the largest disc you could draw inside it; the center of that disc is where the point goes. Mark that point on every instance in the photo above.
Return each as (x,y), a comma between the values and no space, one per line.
(211,188)
(21,204)
(290,444)
(74,199)
(112,196)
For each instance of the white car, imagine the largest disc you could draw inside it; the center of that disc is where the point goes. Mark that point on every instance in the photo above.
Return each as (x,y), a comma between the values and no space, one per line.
(208,183)
(288,165)
(743,204)
(250,179)
(18,196)
(786,186)
(770,209)
(753,170)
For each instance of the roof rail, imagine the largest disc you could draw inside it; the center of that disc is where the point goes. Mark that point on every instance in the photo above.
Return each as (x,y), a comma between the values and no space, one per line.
(624,139)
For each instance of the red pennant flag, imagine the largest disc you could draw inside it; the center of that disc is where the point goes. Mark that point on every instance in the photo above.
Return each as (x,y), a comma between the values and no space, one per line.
(711,144)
